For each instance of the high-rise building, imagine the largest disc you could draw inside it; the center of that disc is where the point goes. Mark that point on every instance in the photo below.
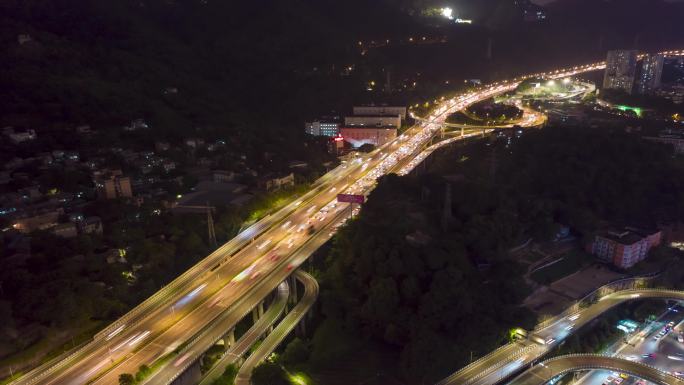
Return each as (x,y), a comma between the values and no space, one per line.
(651,74)
(620,70)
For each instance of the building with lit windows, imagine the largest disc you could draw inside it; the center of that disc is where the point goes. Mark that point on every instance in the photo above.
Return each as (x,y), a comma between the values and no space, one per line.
(621,68)
(377,136)
(651,74)
(328,127)
(624,248)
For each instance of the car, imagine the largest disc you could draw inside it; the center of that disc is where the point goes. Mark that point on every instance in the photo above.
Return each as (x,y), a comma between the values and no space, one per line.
(657,337)
(680,338)
(610,379)
(289,267)
(670,324)
(619,380)
(648,355)
(623,375)
(679,374)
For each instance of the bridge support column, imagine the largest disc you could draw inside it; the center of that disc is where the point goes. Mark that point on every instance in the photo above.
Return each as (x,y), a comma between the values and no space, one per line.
(301,327)
(258,311)
(230,338)
(293,290)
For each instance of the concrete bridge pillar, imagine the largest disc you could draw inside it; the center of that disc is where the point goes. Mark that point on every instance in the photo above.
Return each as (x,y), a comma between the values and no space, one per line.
(258,311)
(293,290)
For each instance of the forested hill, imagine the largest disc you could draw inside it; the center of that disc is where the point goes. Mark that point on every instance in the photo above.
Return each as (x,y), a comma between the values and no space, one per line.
(246,64)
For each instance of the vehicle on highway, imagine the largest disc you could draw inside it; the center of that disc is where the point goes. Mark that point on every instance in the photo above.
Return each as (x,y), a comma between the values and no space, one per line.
(264,244)
(680,338)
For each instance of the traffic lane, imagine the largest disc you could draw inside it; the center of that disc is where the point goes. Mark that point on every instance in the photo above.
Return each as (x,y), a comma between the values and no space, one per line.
(217,329)
(242,345)
(559,330)
(542,373)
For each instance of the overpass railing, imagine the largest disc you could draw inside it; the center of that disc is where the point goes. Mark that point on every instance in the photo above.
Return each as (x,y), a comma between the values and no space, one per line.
(609,288)
(612,359)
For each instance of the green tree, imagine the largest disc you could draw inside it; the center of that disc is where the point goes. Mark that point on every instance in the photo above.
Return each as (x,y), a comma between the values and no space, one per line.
(143,372)
(126,379)
(269,373)
(296,352)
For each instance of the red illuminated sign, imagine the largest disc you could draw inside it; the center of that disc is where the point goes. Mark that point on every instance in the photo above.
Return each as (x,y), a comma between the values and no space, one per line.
(351,198)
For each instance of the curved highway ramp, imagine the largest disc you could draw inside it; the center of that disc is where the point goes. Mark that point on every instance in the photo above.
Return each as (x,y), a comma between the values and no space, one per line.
(240,348)
(547,370)
(282,330)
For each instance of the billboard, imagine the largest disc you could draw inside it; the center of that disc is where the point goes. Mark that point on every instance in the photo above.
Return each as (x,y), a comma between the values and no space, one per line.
(351,198)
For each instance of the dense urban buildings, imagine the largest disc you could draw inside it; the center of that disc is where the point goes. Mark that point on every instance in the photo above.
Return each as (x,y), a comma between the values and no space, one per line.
(621,68)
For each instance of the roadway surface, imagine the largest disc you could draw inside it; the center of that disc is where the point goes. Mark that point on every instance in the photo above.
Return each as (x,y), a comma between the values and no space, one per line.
(284,328)
(242,345)
(665,353)
(547,370)
(511,358)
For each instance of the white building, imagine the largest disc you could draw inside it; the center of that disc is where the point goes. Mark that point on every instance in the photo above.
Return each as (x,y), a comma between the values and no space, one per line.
(322,128)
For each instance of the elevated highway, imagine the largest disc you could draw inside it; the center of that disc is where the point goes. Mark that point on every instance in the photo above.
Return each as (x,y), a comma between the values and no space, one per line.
(511,358)
(543,372)
(238,350)
(284,328)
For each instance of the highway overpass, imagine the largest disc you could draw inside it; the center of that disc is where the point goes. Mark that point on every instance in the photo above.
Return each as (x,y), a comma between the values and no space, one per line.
(513,357)
(547,370)
(284,328)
